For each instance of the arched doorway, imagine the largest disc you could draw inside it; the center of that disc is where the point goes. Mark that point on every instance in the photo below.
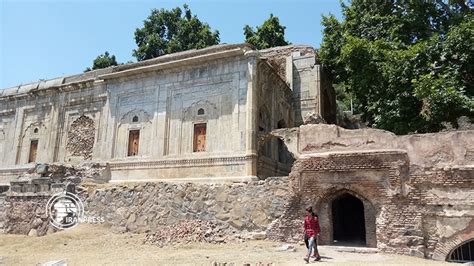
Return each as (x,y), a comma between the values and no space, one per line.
(348,221)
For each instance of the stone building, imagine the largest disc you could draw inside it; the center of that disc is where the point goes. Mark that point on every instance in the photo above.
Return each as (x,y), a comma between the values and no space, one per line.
(200,114)
(229,112)
(411,194)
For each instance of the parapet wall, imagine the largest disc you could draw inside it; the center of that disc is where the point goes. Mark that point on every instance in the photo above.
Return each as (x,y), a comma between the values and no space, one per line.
(424,150)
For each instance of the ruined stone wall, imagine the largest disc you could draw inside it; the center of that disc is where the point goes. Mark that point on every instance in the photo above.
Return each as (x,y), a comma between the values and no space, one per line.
(424,214)
(145,207)
(3,212)
(375,178)
(275,110)
(417,190)
(277,56)
(446,199)
(27,216)
(424,150)
(313,95)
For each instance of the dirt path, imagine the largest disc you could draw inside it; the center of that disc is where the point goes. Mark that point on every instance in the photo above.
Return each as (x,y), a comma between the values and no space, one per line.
(96,245)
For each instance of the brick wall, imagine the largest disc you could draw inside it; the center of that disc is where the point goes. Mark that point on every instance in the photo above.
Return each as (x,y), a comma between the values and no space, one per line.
(403,209)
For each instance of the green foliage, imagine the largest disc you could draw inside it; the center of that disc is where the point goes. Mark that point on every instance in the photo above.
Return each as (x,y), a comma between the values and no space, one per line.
(102,61)
(270,34)
(170,31)
(409,65)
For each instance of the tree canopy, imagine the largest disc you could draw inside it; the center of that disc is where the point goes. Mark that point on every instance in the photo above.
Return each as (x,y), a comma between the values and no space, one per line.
(270,34)
(170,31)
(409,65)
(103,61)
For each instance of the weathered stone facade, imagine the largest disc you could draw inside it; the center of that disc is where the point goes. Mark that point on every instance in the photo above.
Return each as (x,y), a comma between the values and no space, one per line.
(146,207)
(231,113)
(408,203)
(194,114)
(415,191)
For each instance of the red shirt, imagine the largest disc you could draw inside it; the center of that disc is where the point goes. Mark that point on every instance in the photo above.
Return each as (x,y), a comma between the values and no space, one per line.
(311,225)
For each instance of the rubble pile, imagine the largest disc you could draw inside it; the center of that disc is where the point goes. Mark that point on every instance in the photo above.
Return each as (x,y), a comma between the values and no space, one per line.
(276,56)
(59,173)
(189,231)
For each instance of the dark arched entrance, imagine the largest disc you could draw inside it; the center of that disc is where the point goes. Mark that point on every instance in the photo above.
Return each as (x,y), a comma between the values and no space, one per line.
(348,221)
(463,253)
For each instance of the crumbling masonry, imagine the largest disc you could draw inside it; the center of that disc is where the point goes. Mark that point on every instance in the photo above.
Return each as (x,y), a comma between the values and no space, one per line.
(221,118)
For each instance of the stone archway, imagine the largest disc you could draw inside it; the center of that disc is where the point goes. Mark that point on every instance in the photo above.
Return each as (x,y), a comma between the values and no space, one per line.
(338,224)
(348,221)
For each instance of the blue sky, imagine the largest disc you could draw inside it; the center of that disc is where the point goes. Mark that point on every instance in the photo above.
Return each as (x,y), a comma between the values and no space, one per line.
(47,39)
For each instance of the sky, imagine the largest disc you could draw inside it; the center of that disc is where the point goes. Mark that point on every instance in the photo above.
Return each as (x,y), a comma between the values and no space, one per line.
(48,39)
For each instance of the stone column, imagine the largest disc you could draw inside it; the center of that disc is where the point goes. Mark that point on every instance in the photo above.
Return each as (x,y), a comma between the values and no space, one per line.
(289,71)
(251,114)
(17,138)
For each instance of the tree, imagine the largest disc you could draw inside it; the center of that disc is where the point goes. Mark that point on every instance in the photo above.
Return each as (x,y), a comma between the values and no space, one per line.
(170,31)
(270,34)
(103,61)
(408,64)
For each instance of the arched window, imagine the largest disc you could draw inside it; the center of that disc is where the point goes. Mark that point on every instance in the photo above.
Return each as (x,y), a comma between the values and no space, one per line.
(463,253)
(135,119)
(200,111)
(35,130)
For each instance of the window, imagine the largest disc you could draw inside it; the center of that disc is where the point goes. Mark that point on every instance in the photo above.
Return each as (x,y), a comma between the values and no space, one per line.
(463,253)
(200,111)
(199,137)
(33,151)
(133,142)
(35,130)
(135,119)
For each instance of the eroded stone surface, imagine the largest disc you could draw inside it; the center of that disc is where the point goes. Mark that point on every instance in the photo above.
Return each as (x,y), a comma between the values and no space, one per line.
(81,138)
(416,190)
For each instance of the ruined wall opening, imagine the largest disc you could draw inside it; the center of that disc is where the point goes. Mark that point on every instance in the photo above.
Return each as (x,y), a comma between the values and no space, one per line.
(33,151)
(463,253)
(4,188)
(81,137)
(133,142)
(284,155)
(348,221)
(281,124)
(199,137)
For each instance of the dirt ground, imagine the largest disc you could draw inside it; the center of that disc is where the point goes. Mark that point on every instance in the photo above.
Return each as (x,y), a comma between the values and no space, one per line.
(97,245)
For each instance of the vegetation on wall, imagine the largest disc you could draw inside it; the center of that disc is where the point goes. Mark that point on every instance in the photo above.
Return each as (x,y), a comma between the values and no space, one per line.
(102,61)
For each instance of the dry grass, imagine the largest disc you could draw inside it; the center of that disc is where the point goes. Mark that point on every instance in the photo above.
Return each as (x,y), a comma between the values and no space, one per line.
(97,245)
